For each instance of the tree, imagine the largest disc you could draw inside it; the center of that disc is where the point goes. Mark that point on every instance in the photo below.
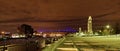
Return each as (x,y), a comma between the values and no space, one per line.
(117,28)
(26,29)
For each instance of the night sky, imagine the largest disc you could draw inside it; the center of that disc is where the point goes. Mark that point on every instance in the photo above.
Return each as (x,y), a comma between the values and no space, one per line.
(57,14)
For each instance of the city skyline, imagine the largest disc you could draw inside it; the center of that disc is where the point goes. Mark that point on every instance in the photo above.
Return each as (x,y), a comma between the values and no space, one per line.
(57,14)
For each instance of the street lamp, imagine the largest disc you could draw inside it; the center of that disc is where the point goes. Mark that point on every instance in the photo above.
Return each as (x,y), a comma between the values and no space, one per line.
(108,29)
(107,26)
(3,32)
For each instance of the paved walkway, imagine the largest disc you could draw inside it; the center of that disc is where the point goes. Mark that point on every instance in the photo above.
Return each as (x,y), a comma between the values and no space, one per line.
(78,44)
(53,46)
(85,44)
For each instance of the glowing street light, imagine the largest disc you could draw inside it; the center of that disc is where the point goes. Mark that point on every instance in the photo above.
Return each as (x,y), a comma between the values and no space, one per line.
(3,32)
(107,26)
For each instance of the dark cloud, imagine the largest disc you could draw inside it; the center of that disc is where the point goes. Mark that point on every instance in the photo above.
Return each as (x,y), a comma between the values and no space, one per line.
(57,13)
(99,16)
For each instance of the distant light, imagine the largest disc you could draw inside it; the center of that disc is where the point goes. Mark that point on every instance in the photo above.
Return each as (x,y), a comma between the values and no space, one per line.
(7,32)
(22,36)
(41,32)
(15,36)
(34,33)
(108,26)
(3,32)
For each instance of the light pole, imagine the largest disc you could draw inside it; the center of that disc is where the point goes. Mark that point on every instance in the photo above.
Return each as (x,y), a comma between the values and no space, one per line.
(108,26)
(108,29)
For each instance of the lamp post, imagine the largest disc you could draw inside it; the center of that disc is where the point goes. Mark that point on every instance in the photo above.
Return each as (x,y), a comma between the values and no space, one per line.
(108,26)
(3,32)
(107,29)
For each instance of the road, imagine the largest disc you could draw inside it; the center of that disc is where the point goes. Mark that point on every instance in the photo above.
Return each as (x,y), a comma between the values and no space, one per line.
(90,44)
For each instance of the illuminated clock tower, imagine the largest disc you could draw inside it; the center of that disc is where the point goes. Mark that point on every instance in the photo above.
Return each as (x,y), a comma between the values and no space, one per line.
(90,25)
